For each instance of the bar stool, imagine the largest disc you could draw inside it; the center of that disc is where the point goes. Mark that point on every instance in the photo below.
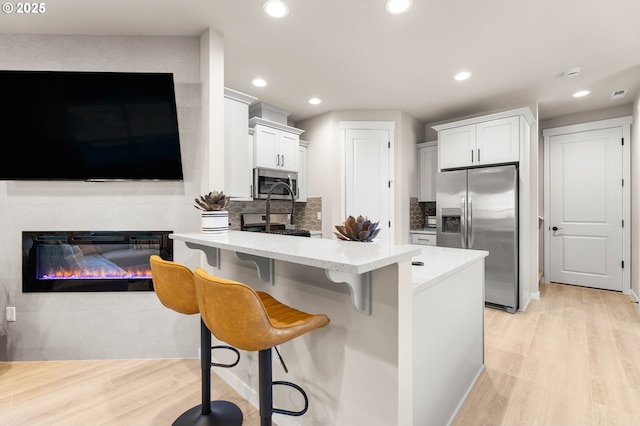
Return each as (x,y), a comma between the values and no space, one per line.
(174,285)
(253,321)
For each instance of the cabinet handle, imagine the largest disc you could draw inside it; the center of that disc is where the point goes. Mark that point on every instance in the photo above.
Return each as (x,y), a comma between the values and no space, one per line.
(472,156)
(282,160)
(277,159)
(478,155)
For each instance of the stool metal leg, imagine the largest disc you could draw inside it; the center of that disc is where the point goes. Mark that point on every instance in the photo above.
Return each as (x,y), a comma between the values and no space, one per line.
(209,413)
(264,386)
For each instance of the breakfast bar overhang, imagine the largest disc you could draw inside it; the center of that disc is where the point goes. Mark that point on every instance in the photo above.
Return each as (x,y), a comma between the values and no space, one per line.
(405,343)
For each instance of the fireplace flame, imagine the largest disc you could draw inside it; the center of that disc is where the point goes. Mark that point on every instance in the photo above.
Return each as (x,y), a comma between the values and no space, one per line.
(88,274)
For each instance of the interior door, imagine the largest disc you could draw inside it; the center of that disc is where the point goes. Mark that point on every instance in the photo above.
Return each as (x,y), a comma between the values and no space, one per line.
(586,208)
(367,178)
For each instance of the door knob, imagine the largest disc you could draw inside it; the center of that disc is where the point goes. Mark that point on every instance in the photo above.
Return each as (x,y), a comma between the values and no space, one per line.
(555,228)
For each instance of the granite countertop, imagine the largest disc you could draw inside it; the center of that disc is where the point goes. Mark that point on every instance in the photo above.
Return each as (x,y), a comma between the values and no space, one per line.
(333,254)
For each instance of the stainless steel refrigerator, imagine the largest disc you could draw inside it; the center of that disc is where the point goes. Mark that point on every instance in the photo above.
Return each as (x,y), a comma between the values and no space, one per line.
(478,209)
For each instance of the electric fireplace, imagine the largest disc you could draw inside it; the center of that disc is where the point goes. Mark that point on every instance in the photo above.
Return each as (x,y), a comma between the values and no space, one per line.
(86,261)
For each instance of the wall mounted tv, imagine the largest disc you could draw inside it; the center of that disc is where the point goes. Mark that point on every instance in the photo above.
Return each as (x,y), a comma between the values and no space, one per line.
(92,126)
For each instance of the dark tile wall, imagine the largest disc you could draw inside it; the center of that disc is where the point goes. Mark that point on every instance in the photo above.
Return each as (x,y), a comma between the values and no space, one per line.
(418,211)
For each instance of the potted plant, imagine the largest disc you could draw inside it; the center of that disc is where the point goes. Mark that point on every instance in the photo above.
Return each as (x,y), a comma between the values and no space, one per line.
(213,208)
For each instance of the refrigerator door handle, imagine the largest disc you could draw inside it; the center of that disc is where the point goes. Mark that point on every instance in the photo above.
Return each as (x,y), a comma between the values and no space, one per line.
(463,222)
(470,223)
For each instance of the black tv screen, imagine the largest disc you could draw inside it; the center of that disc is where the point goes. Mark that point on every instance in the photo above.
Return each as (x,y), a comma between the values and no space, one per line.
(60,125)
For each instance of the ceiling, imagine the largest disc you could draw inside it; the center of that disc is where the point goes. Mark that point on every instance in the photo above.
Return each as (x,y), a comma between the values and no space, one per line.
(355,56)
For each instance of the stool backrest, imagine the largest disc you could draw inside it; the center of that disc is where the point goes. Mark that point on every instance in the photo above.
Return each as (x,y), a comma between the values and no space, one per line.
(233,312)
(174,286)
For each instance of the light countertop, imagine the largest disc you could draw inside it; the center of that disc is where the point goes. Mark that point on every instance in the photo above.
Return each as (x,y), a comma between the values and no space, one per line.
(332,254)
(439,263)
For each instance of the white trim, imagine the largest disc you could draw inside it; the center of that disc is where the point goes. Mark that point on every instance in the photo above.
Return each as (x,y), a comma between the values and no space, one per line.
(625,124)
(239,96)
(584,127)
(525,112)
(367,125)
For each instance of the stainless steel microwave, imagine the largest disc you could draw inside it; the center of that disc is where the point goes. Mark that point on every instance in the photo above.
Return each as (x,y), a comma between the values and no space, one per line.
(263,180)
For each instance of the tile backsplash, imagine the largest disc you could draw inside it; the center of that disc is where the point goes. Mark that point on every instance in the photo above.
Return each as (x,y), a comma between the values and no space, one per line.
(306,212)
(418,211)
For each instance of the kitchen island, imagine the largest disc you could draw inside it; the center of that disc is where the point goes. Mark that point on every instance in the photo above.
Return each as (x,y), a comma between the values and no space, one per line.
(405,343)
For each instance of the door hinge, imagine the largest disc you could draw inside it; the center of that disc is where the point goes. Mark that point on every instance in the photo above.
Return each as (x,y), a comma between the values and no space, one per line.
(389,224)
(622,182)
(623,223)
(623,264)
(389,144)
(389,184)
(622,140)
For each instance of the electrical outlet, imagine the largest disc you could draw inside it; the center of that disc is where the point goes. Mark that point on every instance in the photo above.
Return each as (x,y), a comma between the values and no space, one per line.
(11,313)
(319,216)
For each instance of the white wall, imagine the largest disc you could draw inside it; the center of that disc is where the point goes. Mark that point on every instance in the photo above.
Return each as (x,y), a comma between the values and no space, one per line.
(323,134)
(53,326)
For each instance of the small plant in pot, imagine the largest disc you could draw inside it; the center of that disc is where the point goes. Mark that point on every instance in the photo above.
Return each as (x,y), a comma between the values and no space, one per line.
(360,229)
(213,207)
(213,201)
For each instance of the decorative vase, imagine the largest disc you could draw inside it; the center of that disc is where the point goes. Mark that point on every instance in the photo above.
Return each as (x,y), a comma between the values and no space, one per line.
(215,222)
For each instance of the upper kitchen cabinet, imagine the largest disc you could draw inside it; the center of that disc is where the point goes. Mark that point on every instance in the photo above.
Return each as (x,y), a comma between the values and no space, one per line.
(427,169)
(481,141)
(302,170)
(275,145)
(238,145)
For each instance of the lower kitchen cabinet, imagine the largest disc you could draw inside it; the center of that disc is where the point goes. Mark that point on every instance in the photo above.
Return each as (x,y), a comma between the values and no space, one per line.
(423,238)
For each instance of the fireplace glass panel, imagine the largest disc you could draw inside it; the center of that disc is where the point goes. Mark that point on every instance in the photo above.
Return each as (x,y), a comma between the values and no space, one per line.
(92,261)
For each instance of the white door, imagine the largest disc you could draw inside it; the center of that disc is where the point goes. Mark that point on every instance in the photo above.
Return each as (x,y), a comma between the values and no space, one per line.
(367,178)
(586,208)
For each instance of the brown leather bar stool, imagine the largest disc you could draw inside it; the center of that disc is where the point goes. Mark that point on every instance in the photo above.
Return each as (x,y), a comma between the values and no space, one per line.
(253,321)
(174,285)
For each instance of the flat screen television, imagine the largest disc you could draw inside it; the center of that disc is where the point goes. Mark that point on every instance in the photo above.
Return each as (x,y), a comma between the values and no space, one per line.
(91,126)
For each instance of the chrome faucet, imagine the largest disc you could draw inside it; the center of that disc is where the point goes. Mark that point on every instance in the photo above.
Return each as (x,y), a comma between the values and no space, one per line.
(268,207)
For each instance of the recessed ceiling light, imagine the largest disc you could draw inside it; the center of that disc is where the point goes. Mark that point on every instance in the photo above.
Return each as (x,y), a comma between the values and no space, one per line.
(462,75)
(314,101)
(258,82)
(397,6)
(581,93)
(275,8)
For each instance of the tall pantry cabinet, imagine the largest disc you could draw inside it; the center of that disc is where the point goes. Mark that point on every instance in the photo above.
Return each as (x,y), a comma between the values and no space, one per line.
(238,145)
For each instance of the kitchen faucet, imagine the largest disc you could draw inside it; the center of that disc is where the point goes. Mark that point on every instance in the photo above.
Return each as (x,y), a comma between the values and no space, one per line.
(268,207)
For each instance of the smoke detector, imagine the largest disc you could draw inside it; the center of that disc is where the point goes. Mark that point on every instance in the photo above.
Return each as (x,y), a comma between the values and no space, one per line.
(572,72)
(618,94)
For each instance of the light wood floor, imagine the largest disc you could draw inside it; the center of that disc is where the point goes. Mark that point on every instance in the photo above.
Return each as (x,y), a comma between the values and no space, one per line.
(112,392)
(573,359)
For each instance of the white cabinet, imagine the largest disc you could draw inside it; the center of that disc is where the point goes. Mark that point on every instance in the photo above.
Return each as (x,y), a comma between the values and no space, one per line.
(275,145)
(427,169)
(423,238)
(480,141)
(238,145)
(302,170)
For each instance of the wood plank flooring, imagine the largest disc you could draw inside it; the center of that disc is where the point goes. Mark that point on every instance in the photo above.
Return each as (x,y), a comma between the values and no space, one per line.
(106,392)
(572,359)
